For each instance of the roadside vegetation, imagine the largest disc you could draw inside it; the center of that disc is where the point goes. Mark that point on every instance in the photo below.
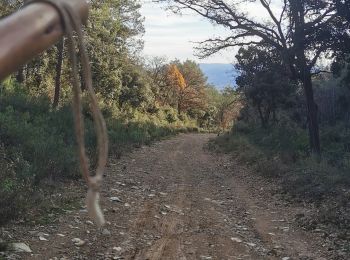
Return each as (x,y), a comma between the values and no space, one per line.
(271,133)
(270,137)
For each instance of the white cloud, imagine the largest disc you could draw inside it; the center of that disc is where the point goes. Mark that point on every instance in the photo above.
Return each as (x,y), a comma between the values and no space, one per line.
(174,36)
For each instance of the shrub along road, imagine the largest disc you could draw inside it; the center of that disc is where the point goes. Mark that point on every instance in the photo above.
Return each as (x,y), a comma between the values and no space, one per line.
(177,200)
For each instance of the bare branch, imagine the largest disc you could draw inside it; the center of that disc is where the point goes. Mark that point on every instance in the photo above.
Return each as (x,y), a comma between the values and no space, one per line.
(212,46)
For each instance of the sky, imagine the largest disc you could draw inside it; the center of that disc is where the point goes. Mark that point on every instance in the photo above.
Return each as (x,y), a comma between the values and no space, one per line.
(174,36)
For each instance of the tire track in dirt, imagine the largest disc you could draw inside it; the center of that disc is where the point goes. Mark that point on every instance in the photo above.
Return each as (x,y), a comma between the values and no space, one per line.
(170,244)
(178,201)
(183,234)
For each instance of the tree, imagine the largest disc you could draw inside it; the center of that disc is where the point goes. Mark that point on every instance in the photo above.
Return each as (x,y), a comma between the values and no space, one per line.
(263,81)
(194,96)
(343,8)
(229,108)
(302,31)
(136,88)
(177,85)
(113,30)
(156,68)
(59,65)
(192,74)
(187,87)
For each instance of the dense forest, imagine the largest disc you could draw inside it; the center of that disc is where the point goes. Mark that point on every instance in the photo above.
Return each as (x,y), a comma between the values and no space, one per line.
(288,117)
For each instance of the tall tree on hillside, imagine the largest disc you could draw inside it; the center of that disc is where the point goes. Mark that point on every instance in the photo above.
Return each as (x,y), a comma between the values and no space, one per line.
(193,74)
(229,108)
(186,96)
(136,87)
(176,85)
(113,30)
(263,80)
(301,30)
(157,68)
(196,83)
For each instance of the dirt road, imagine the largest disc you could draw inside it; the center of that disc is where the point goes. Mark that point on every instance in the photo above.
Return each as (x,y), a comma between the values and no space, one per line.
(177,200)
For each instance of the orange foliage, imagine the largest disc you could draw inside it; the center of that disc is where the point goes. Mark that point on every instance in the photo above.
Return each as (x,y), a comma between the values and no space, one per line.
(175,78)
(184,96)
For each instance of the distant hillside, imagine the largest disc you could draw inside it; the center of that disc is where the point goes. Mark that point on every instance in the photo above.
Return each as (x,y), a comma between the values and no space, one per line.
(219,75)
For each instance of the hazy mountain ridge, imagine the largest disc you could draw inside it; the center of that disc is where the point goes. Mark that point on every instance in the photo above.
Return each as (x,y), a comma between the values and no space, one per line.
(220,74)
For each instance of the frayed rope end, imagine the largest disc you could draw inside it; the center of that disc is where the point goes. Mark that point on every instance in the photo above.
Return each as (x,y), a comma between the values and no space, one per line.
(93,207)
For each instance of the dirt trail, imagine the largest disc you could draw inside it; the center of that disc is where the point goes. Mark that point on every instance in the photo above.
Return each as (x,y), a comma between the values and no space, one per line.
(176,200)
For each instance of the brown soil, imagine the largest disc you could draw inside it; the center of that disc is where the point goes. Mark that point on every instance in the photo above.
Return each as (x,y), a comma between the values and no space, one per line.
(178,201)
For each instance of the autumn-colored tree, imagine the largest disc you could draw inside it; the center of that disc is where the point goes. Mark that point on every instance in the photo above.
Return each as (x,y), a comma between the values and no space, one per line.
(190,98)
(194,97)
(185,96)
(175,78)
(176,85)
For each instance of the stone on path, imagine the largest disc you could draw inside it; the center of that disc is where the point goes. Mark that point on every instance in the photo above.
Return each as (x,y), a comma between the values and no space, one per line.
(78,242)
(115,199)
(42,238)
(21,247)
(236,239)
(106,232)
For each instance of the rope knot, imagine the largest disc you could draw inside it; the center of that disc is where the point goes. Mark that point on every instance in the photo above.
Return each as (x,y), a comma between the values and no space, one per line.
(95,183)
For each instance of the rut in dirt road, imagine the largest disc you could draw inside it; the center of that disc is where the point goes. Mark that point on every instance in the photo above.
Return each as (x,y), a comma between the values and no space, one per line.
(177,200)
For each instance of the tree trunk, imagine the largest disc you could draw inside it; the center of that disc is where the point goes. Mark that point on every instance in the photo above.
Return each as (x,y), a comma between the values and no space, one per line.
(274,116)
(59,64)
(304,73)
(262,120)
(312,115)
(20,75)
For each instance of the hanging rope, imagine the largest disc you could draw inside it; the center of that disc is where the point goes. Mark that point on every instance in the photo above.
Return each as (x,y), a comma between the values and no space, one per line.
(71,22)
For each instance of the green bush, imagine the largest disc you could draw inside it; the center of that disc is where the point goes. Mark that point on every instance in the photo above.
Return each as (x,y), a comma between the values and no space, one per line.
(171,118)
(315,180)
(44,139)
(15,184)
(38,142)
(122,134)
(282,152)
(336,146)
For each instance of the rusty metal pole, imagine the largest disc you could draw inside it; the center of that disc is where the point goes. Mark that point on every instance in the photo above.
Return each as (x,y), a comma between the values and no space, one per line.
(30,31)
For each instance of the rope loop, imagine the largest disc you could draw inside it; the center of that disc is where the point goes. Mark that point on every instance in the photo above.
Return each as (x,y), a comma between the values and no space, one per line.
(71,23)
